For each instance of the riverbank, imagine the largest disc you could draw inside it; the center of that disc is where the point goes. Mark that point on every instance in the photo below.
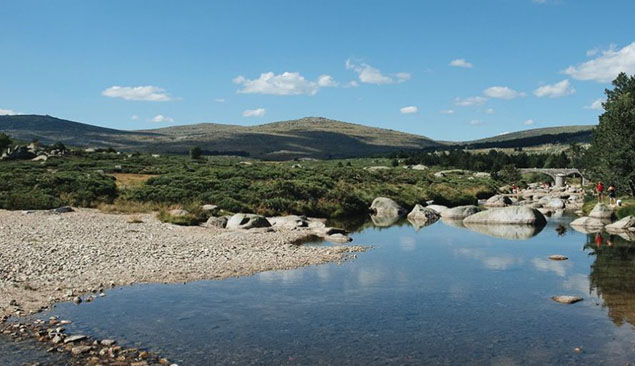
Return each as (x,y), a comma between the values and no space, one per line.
(47,258)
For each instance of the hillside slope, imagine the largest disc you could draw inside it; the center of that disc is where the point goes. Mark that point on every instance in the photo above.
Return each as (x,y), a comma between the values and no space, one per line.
(307,137)
(535,137)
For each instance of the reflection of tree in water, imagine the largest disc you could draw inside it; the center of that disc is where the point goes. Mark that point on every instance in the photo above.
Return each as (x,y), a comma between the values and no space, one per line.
(613,275)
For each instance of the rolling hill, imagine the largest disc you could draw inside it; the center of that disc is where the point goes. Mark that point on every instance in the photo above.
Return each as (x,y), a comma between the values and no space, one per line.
(310,137)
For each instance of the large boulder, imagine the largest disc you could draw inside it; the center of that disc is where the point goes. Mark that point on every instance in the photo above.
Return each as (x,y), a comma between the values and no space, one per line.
(288,222)
(498,201)
(513,215)
(438,208)
(625,224)
(588,224)
(601,211)
(460,212)
(554,203)
(219,222)
(177,212)
(423,215)
(385,207)
(247,221)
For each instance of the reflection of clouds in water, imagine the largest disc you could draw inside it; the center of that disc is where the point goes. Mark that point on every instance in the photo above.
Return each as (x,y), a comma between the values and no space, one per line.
(580,283)
(557,267)
(490,262)
(407,243)
(288,276)
(369,276)
(504,361)
(458,291)
(323,272)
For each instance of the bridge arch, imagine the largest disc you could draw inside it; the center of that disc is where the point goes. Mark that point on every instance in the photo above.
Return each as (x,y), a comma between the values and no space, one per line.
(558,174)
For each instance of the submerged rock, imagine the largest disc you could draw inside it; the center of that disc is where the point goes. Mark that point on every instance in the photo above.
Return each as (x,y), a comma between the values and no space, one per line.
(601,211)
(385,207)
(247,221)
(384,221)
(514,215)
(566,299)
(558,257)
(506,231)
(460,212)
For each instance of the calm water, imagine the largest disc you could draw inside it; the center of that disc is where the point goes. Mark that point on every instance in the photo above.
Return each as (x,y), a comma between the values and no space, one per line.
(440,295)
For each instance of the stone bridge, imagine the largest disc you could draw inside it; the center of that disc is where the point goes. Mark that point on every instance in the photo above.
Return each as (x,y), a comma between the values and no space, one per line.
(558,174)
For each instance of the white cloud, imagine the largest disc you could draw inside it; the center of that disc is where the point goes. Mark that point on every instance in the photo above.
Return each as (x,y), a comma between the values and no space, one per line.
(592,52)
(8,112)
(475,122)
(529,122)
(258,112)
(159,118)
(559,89)
(220,100)
(469,101)
(145,93)
(490,111)
(287,83)
(607,66)
(447,111)
(134,117)
(326,81)
(409,109)
(503,133)
(460,62)
(502,92)
(596,104)
(370,75)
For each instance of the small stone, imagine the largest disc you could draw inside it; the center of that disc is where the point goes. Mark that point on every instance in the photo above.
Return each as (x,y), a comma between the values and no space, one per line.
(81,349)
(566,299)
(77,299)
(143,355)
(75,338)
(108,342)
(558,257)
(577,349)
(57,339)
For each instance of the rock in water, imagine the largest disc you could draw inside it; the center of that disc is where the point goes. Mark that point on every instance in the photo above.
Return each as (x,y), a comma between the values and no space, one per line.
(423,215)
(554,203)
(460,212)
(588,223)
(513,215)
(385,207)
(74,338)
(438,208)
(81,349)
(558,257)
(624,224)
(601,211)
(566,299)
(498,201)
(247,221)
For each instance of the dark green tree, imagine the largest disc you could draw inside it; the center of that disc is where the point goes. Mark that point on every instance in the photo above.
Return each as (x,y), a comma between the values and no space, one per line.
(510,174)
(394,162)
(58,146)
(5,141)
(612,152)
(195,152)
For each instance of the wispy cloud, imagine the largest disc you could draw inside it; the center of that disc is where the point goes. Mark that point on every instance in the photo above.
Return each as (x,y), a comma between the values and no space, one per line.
(258,112)
(460,62)
(606,66)
(490,111)
(447,111)
(371,75)
(475,122)
(219,100)
(147,93)
(8,112)
(529,122)
(596,104)
(134,117)
(502,92)
(159,118)
(559,89)
(409,109)
(287,83)
(470,101)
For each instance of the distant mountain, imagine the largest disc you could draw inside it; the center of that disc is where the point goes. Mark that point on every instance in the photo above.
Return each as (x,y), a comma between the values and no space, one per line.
(311,137)
(535,137)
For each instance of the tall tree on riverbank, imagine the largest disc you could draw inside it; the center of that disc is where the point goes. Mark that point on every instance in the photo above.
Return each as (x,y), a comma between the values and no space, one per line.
(613,148)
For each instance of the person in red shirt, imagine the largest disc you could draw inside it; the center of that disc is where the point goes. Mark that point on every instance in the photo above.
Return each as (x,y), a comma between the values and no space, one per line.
(600,189)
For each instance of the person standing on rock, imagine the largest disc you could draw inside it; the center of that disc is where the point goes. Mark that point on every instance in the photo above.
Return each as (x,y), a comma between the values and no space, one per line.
(612,194)
(600,189)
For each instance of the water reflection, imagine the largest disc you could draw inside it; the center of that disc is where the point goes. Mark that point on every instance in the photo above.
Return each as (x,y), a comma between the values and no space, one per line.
(613,275)
(510,232)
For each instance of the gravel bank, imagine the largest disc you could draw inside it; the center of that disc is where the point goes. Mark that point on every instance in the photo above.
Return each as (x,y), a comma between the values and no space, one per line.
(47,258)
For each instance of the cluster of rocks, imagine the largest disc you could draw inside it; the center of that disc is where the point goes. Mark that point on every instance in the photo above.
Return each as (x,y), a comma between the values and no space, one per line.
(33,151)
(549,201)
(81,349)
(601,218)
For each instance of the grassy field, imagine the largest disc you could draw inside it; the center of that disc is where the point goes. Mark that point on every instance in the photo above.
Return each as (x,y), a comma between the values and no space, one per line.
(142,183)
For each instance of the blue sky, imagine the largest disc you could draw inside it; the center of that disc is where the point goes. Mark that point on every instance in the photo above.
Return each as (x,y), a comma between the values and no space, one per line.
(451,70)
